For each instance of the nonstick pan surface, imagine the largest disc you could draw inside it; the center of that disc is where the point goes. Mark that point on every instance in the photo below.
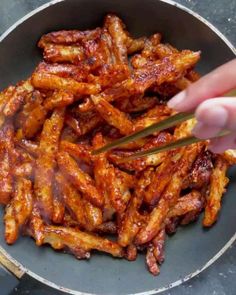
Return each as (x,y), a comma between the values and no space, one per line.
(192,248)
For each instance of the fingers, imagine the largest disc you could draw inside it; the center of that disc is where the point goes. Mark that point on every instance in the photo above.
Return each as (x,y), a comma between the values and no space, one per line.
(214,115)
(204,131)
(224,143)
(214,84)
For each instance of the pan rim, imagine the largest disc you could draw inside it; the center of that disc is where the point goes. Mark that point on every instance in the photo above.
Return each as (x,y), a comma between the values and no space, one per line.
(187,277)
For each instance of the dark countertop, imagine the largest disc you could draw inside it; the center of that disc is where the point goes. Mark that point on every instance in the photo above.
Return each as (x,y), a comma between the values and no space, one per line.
(218,279)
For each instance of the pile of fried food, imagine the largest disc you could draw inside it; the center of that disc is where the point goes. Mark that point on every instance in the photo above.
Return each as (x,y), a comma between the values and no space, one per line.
(91,88)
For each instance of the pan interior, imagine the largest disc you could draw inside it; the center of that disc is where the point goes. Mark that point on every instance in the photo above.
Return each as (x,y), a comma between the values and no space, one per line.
(192,246)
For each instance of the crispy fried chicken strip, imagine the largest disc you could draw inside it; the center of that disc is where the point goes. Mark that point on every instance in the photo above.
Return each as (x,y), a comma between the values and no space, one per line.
(59,99)
(77,151)
(230,156)
(116,27)
(186,204)
(84,123)
(113,116)
(77,72)
(7,161)
(46,161)
(68,37)
(18,211)
(140,164)
(87,216)
(17,98)
(218,182)
(169,197)
(43,80)
(74,239)
(63,53)
(168,69)
(132,221)
(81,180)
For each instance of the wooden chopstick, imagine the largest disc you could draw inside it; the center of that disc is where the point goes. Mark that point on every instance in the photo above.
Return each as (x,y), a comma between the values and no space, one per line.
(167,123)
(170,146)
(157,127)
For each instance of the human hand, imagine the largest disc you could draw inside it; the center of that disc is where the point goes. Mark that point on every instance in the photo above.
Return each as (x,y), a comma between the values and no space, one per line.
(214,113)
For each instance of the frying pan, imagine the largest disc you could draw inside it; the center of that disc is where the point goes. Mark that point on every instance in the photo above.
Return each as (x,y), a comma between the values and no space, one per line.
(193,248)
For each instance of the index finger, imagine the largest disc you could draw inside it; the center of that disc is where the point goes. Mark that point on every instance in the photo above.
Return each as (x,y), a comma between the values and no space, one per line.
(214,84)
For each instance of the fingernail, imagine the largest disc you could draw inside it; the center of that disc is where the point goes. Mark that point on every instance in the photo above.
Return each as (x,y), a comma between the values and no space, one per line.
(177,100)
(215,116)
(197,128)
(213,149)
(204,131)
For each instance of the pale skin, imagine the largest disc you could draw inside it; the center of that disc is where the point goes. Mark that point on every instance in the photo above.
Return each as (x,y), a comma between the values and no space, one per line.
(214,111)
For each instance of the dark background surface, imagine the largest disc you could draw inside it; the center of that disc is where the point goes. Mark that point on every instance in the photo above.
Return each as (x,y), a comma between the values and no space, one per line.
(220,278)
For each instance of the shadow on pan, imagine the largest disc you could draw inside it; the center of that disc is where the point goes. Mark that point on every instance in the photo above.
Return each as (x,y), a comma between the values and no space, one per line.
(192,248)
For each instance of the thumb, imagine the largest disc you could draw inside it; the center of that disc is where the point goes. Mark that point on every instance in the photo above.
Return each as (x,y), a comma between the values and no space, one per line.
(215,84)
(214,115)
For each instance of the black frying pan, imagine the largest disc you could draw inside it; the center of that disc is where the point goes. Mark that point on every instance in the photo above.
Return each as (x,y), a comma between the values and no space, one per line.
(193,248)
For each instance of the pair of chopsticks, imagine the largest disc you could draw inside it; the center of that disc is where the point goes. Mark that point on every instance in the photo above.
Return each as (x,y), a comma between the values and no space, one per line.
(157,127)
